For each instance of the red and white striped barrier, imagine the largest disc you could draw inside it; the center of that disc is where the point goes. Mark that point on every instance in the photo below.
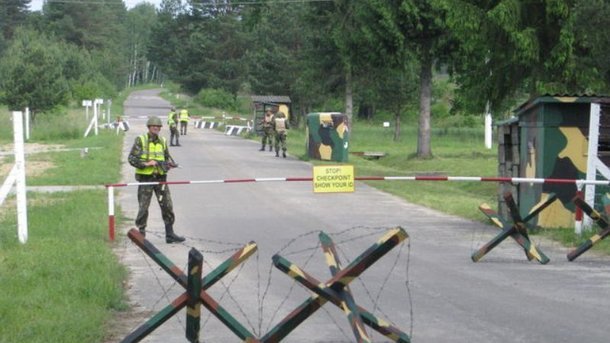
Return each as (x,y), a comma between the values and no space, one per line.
(577,182)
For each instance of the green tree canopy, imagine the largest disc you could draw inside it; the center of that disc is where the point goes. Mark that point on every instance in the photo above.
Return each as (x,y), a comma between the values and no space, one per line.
(32,72)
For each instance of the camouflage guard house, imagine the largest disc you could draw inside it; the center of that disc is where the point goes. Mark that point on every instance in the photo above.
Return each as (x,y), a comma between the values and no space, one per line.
(549,138)
(262,103)
(327,136)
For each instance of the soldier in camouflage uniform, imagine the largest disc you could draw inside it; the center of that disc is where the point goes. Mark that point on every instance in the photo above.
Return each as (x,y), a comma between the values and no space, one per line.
(150,156)
(267,124)
(172,121)
(280,127)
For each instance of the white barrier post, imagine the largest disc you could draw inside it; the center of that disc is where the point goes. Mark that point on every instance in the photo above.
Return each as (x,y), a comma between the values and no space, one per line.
(97,104)
(27,123)
(87,104)
(592,160)
(22,214)
(8,184)
(111,212)
(488,129)
(108,103)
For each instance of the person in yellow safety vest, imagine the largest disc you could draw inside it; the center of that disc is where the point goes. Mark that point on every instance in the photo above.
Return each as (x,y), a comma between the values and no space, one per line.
(184,120)
(150,156)
(172,121)
(280,127)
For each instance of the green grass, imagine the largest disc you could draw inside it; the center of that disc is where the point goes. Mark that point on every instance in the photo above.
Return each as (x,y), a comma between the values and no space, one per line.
(457,152)
(98,167)
(64,284)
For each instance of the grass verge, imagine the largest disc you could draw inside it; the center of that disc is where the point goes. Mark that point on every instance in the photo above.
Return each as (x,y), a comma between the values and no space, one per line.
(65,284)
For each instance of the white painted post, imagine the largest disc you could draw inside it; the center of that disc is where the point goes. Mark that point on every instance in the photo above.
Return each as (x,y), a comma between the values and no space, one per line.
(97,108)
(27,123)
(98,102)
(87,104)
(111,213)
(592,160)
(93,121)
(8,184)
(22,214)
(108,103)
(488,129)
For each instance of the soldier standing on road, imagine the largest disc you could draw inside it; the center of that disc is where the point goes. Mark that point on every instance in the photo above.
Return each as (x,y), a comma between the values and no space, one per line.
(172,121)
(184,121)
(267,124)
(150,156)
(280,127)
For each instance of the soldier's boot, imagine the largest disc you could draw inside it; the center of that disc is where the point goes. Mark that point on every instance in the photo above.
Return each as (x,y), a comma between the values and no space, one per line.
(277,153)
(284,153)
(262,148)
(142,231)
(177,143)
(171,237)
(270,148)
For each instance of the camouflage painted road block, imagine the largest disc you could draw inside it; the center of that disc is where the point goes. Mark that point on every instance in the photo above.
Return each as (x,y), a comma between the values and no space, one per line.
(517,230)
(599,219)
(193,309)
(327,136)
(336,290)
(223,269)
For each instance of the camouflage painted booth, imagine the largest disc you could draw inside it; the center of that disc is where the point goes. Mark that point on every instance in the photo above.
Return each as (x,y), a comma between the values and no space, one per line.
(262,103)
(327,136)
(549,138)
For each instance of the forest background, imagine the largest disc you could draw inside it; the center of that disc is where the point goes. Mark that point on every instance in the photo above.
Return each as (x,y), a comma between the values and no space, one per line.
(410,60)
(432,64)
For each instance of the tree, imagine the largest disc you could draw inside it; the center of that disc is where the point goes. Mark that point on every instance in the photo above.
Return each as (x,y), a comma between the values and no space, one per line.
(513,47)
(140,21)
(32,73)
(98,27)
(396,28)
(12,14)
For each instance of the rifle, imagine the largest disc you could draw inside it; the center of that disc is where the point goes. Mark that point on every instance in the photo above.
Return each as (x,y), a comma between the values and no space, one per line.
(167,165)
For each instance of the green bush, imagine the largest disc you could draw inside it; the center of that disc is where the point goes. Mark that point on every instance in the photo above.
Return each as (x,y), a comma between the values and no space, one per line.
(92,88)
(218,98)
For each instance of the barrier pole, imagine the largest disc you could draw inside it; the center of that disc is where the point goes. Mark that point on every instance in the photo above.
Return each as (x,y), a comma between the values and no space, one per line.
(111,213)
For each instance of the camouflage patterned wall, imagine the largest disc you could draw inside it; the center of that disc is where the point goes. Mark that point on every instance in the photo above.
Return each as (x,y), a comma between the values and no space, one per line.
(553,143)
(327,136)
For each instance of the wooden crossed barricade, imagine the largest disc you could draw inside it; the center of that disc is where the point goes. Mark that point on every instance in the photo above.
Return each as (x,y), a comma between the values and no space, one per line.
(596,217)
(517,230)
(192,298)
(336,290)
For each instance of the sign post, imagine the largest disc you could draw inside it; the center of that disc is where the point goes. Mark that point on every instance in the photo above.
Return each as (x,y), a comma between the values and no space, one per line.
(87,104)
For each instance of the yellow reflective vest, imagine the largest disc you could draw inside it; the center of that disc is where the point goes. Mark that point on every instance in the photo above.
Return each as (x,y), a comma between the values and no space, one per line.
(152,151)
(170,119)
(184,115)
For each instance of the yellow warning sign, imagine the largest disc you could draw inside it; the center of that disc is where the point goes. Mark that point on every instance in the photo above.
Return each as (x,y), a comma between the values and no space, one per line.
(333,179)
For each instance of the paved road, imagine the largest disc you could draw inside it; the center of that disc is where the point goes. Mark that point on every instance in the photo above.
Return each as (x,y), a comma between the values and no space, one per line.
(429,287)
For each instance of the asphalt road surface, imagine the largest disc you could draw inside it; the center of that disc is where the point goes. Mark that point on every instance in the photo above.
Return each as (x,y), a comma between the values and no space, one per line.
(428,287)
